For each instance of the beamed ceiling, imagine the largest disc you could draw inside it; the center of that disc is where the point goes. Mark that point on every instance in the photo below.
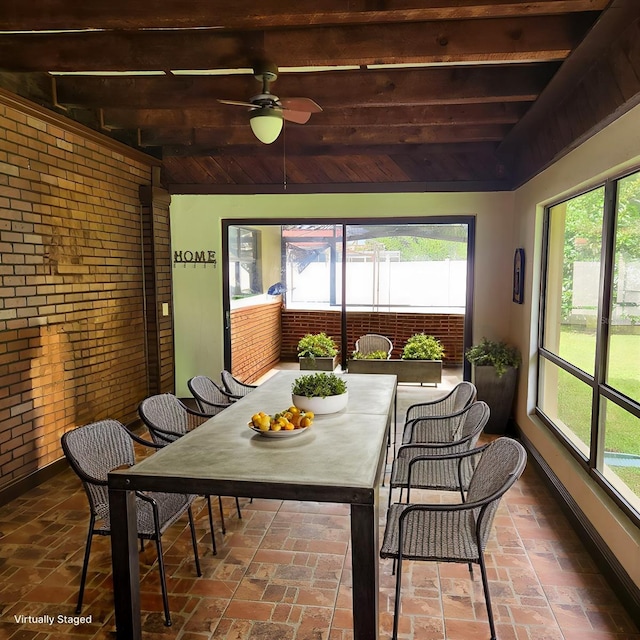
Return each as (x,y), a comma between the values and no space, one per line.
(416,95)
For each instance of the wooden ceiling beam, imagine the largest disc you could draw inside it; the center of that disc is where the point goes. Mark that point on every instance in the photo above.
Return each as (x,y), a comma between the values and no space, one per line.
(242,14)
(318,135)
(275,151)
(490,113)
(429,86)
(541,38)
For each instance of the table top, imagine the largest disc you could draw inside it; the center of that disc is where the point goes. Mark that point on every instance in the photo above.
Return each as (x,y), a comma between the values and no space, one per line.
(339,450)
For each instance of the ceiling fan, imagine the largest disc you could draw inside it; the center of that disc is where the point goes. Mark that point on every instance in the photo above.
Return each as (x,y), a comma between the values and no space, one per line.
(268,111)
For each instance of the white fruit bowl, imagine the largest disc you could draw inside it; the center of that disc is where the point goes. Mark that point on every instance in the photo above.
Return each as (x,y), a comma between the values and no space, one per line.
(319,406)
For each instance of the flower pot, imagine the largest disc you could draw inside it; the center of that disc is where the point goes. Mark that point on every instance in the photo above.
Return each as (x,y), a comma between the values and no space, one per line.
(319,363)
(423,371)
(319,406)
(498,393)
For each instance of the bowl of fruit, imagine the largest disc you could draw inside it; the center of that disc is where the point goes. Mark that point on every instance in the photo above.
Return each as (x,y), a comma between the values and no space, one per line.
(285,424)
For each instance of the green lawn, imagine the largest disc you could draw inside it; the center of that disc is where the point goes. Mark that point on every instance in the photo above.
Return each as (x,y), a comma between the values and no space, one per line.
(574,397)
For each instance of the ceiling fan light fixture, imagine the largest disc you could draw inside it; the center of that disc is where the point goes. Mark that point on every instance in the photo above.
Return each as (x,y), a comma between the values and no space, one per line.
(266,124)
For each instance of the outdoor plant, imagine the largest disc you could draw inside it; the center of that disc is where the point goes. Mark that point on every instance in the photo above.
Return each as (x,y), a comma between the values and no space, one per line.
(372,355)
(422,347)
(317,345)
(318,385)
(496,354)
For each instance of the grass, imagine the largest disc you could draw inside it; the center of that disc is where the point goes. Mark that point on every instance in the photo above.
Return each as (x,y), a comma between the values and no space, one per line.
(574,397)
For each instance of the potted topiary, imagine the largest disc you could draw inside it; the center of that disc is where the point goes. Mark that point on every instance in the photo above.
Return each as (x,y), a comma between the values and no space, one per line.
(320,393)
(495,365)
(317,352)
(421,361)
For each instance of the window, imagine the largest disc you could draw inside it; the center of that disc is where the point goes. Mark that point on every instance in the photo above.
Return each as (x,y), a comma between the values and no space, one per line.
(245,277)
(589,373)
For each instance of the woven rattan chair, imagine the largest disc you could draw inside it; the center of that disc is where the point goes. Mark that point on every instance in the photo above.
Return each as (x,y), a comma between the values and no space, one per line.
(169,419)
(374,342)
(234,387)
(461,396)
(439,436)
(93,451)
(211,399)
(455,532)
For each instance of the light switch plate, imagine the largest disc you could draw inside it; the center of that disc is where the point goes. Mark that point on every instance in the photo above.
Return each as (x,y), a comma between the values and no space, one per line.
(165,308)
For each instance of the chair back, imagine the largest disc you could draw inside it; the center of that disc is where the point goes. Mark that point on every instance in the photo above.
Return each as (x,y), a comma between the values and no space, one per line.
(208,395)
(92,452)
(463,394)
(234,386)
(166,418)
(500,465)
(374,342)
(448,428)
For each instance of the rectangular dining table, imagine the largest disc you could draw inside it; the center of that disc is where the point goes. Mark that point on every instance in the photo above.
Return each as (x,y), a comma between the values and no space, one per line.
(338,459)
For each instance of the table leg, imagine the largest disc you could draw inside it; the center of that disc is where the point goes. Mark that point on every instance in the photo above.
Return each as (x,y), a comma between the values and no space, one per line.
(364,556)
(125,563)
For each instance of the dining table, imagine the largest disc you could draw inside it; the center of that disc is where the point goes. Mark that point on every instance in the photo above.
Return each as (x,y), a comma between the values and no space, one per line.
(340,458)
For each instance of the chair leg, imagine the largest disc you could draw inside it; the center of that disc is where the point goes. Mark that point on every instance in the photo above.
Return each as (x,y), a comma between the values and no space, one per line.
(487,595)
(85,563)
(194,542)
(211,527)
(238,508)
(224,529)
(163,579)
(396,606)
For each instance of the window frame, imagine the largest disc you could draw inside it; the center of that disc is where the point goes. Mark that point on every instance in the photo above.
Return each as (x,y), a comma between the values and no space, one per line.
(600,389)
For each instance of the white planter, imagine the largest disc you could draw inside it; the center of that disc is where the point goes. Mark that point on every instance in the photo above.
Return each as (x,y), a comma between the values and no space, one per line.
(330,404)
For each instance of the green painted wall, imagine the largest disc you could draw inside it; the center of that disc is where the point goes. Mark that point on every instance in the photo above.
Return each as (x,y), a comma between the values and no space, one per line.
(196,224)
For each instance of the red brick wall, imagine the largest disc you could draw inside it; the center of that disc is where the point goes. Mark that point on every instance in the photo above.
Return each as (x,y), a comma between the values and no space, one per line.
(398,327)
(72,326)
(255,342)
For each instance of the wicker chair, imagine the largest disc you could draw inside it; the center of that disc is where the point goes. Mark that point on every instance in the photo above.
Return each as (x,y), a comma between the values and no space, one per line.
(455,532)
(439,436)
(169,419)
(374,342)
(211,399)
(234,388)
(93,451)
(461,396)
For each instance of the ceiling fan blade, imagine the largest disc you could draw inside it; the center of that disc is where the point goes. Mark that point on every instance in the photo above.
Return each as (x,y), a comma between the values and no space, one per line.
(299,117)
(237,103)
(300,104)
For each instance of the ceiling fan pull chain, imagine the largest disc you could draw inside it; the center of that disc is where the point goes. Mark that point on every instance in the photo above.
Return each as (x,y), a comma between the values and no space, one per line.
(284,156)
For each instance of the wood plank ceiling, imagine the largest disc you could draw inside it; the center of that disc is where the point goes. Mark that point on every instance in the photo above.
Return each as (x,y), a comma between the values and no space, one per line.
(416,95)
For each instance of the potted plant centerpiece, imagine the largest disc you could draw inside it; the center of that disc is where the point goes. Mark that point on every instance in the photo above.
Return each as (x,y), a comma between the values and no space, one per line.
(320,393)
(317,352)
(495,367)
(421,361)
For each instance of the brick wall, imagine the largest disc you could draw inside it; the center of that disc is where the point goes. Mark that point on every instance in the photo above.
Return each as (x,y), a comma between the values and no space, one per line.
(255,342)
(72,325)
(398,327)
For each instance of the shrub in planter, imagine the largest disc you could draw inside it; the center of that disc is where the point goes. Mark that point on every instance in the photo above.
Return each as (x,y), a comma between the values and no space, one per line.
(494,374)
(372,355)
(315,345)
(317,351)
(495,354)
(320,393)
(420,346)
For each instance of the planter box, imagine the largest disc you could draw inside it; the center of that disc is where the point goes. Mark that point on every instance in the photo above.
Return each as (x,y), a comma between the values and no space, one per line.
(318,363)
(424,371)
(498,393)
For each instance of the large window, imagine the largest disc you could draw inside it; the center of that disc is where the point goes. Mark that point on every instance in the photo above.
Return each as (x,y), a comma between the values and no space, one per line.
(589,371)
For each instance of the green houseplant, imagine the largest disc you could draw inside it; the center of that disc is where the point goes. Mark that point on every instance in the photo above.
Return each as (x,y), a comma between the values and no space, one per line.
(421,346)
(317,351)
(421,361)
(372,355)
(320,392)
(495,365)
